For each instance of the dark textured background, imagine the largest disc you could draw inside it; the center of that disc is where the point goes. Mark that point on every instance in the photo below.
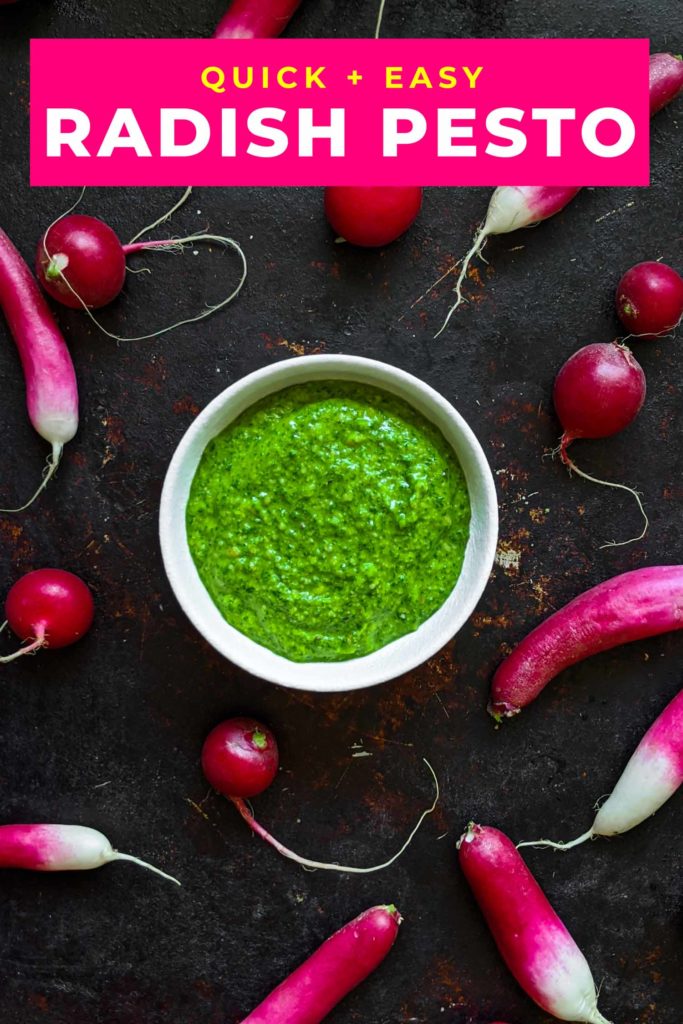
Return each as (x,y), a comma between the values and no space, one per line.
(108,733)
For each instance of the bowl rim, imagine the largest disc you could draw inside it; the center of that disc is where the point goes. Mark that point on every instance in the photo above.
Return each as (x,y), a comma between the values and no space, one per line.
(412,649)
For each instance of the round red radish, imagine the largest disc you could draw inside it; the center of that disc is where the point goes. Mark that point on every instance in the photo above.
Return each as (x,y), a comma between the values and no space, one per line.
(240,757)
(371,217)
(81,258)
(650,299)
(598,391)
(51,607)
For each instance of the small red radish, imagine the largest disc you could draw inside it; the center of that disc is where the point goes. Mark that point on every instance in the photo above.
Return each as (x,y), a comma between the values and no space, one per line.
(534,943)
(371,217)
(513,207)
(81,263)
(651,777)
(342,962)
(666,80)
(61,848)
(51,389)
(256,19)
(48,608)
(240,759)
(86,253)
(598,392)
(632,606)
(649,299)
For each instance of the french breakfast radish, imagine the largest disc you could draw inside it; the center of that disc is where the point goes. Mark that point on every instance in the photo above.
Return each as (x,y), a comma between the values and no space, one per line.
(61,848)
(51,389)
(48,608)
(666,80)
(598,392)
(369,216)
(632,606)
(534,943)
(81,263)
(342,962)
(649,299)
(240,759)
(651,777)
(256,19)
(513,207)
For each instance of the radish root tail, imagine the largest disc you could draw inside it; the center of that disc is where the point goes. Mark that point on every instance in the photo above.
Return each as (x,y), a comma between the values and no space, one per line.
(143,864)
(31,648)
(380,15)
(540,843)
(162,220)
(177,245)
(314,864)
(52,463)
(609,483)
(476,250)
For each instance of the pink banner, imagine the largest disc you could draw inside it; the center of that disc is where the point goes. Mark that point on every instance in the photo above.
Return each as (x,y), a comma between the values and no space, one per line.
(339,112)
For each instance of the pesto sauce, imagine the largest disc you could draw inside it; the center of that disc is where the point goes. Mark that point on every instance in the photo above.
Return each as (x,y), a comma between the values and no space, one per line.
(328,520)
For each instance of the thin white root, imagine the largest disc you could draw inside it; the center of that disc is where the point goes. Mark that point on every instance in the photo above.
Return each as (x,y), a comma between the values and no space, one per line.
(177,244)
(31,648)
(50,470)
(143,864)
(4,626)
(306,863)
(380,15)
(477,246)
(621,487)
(539,843)
(167,216)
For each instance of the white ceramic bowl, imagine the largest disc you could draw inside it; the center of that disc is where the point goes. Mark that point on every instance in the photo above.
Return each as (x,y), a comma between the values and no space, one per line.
(395,658)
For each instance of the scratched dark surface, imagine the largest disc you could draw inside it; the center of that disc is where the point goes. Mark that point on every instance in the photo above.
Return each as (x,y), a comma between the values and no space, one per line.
(108,733)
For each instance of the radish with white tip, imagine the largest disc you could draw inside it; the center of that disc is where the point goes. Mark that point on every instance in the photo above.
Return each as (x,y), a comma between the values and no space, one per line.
(533,941)
(61,848)
(651,777)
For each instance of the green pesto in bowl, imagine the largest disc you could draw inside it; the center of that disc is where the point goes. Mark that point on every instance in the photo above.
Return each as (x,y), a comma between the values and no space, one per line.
(327,520)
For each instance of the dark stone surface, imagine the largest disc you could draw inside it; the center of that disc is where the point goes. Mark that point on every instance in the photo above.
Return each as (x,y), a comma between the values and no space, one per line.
(108,733)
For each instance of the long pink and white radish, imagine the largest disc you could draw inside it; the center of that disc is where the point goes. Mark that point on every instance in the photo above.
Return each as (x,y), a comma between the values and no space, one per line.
(342,962)
(256,19)
(81,263)
(534,943)
(240,760)
(61,848)
(651,777)
(597,393)
(632,606)
(48,608)
(51,389)
(513,207)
